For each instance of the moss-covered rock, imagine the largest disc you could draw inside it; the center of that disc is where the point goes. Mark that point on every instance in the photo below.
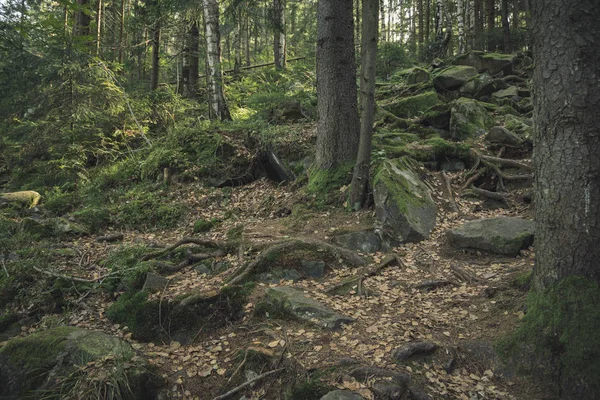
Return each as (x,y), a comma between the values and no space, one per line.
(453,77)
(35,362)
(52,227)
(492,63)
(469,119)
(475,84)
(403,203)
(413,76)
(437,116)
(520,126)
(413,106)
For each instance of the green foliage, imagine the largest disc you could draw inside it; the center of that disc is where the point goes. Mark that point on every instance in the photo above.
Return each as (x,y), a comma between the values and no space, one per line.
(130,272)
(391,56)
(144,210)
(205,225)
(563,321)
(140,315)
(324,184)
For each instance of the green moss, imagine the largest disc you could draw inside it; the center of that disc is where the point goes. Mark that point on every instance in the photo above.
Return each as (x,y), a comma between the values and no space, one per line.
(7,319)
(272,308)
(563,323)
(522,281)
(413,106)
(140,315)
(204,225)
(95,218)
(143,210)
(324,183)
(402,188)
(308,390)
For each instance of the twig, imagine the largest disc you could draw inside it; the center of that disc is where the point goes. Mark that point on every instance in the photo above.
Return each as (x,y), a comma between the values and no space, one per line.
(239,366)
(449,190)
(470,181)
(248,383)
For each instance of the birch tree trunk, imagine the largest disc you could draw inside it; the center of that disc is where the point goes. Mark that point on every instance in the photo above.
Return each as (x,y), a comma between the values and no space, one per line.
(461,26)
(98,27)
(216,98)
(359,189)
(279,40)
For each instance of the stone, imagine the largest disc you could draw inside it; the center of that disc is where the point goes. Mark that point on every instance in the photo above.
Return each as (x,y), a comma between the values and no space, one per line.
(502,235)
(313,269)
(403,204)
(388,391)
(413,106)
(452,165)
(414,75)
(437,116)
(36,361)
(342,395)
(469,119)
(154,282)
(363,241)
(520,126)
(507,93)
(499,134)
(307,309)
(453,77)
(276,276)
(487,88)
(475,84)
(492,63)
(412,350)
(203,269)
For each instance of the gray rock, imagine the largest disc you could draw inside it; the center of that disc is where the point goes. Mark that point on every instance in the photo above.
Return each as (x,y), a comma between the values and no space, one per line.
(276,276)
(453,77)
(475,84)
(412,350)
(493,63)
(364,241)
(499,134)
(520,126)
(308,309)
(342,395)
(488,88)
(203,269)
(507,93)
(313,269)
(154,282)
(496,235)
(403,203)
(56,353)
(388,391)
(452,165)
(469,119)
(414,75)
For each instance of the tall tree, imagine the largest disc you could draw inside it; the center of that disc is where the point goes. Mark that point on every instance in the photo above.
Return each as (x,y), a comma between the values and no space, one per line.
(439,20)
(359,189)
(491,24)
(82,18)
(460,9)
(216,97)
(279,39)
(506,45)
(421,28)
(567,142)
(154,74)
(337,125)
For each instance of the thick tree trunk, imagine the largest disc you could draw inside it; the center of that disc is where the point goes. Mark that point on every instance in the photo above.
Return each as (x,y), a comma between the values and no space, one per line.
(337,125)
(217,106)
(460,9)
(279,40)
(491,25)
(505,28)
(566,34)
(359,189)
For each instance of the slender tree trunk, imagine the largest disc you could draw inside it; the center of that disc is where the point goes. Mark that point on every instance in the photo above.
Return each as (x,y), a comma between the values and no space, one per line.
(567,143)
(190,68)
(217,106)
(121,31)
(359,189)
(491,25)
(382,18)
(155,55)
(389,21)
(237,45)
(505,27)
(515,15)
(461,26)
(279,40)
(337,126)
(98,27)
(427,21)
(357,25)
(439,20)
(247,35)
(472,21)
(421,28)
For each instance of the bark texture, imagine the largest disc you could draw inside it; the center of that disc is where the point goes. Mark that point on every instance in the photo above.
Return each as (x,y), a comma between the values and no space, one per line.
(566,34)
(217,106)
(155,55)
(337,126)
(279,40)
(359,191)
(462,42)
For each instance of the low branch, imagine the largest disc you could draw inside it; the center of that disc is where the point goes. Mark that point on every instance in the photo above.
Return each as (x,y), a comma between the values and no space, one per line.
(248,383)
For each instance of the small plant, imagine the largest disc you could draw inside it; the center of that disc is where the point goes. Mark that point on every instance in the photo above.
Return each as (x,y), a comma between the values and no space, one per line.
(205,225)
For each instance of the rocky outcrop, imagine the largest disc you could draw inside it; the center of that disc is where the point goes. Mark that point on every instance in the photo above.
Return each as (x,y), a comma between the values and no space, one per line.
(469,119)
(403,203)
(412,106)
(492,63)
(497,235)
(454,77)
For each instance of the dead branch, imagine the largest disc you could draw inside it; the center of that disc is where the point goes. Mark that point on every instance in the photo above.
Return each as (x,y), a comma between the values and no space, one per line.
(505,161)
(488,194)
(110,238)
(248,383)
(450,192)
(471,180)
(366,273)
(186,240)
(464,275)
(189,260)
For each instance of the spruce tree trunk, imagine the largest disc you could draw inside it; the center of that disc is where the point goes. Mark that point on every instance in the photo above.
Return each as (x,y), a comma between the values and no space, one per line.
(194,67)
(427,21)
(279,39)
(505,28)
(216,98)
(478,40)
(357,25)
(155,55)
(421,28)
(439,20)
(566,34)
(359,189)
(491,25)
(337,125)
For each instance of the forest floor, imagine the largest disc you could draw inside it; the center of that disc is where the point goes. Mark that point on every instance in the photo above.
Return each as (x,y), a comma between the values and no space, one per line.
(397,306)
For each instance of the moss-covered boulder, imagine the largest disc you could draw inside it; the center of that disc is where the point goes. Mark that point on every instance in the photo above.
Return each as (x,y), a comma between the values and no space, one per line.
(469,119)
(475,84)
(413,106)
(453,77)
(501,135)
(496,235)
(492,63)
(437,116)
(521,126)
(510,92)
(403,203)
(38,361)
(52,227)
(413,76)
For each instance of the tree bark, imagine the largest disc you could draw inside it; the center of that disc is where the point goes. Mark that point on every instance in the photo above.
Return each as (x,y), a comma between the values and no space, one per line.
(121,31)
(279,39)
(566,34)
(194,64)
(82,18)
(427,21)
(460,9)
(357,25)
(505,28)
(217,105)
(491,25)
(337,125)
(478,40)
(421,28)
(359,191)
(439,20)
(155,54)
(382,17)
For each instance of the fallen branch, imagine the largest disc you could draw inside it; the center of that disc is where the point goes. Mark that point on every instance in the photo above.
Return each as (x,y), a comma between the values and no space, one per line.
(248,383)
(189,260)
(186,240)
(449,190)
(366,273)
(464,275)
(505,161)
(488,194)
(471,180)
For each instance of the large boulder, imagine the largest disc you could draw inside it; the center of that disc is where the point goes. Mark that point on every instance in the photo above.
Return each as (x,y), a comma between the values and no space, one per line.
(492,63)
(475,84)
(413,106)
(454,77)
(469,119)
(521,126)
(403,202)
(305,308)
(363,241)
(414,75)
(497,235)
(37,361)
(501,135)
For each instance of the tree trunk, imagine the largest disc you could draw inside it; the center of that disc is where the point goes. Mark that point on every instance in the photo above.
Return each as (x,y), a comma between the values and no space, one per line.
(515,15)
(491,25)
(194,71)
(566,34)
(478,28)
(427,21)
(337,126)
(461,26)
(279,40)
(439,23)
(382,17)
(421,29)
(359,189)
(155,54)
(82,19)
(357,25)
(505,27)
(217,106)
(247,36)
(98,27)
(121,31)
